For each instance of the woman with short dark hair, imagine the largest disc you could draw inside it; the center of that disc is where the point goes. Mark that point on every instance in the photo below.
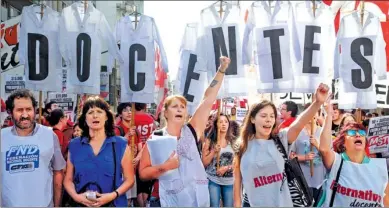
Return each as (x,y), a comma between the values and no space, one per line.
(98,159)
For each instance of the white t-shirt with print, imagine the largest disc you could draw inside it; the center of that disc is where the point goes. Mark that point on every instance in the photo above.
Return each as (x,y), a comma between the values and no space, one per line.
(360,185)
(262,167)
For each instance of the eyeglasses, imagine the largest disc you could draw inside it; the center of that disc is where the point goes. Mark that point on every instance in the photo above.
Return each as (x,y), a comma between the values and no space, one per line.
(353,132)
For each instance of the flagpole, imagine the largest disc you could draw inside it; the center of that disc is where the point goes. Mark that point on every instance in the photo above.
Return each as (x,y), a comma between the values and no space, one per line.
(219,106)
(133,103)
(313,124)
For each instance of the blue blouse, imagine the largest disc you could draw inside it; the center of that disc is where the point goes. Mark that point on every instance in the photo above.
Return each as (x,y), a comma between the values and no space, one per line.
(98,169)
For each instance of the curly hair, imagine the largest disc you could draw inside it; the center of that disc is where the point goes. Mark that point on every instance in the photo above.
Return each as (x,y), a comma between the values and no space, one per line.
(97,102)
(21,93)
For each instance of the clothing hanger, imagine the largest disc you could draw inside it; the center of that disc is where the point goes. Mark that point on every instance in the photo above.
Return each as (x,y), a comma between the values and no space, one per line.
(221,4)
(317,3)
(270,4)
(41,3)
(85,2)
(361,11)
(314,8)
(136,14)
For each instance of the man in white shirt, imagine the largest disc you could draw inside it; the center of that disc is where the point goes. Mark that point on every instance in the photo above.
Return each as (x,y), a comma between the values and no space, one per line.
(32,163)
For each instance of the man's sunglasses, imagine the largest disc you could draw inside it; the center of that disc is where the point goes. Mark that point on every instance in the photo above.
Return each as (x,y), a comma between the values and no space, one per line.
(353,132)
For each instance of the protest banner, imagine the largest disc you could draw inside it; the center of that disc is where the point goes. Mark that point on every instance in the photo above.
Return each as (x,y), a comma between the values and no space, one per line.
(65,101)
(378,134)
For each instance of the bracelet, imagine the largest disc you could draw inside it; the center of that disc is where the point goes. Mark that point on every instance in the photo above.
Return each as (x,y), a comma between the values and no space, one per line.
(117,194)
(223,72)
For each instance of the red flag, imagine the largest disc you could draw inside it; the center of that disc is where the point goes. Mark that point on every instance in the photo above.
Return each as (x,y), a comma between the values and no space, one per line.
(216,104)
(243,103)
(161,83)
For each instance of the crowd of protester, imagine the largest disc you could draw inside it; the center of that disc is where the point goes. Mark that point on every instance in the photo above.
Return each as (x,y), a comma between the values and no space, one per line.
(103,159)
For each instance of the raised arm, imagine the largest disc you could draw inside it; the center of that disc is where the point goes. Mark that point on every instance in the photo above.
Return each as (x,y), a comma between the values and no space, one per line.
(201,114)
(327,153)
(297,126)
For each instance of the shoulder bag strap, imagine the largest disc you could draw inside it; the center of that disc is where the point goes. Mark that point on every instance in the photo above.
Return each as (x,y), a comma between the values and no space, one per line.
(158,132)
(193,131)
(280,148)
(336,183)
(195,137)
(114,162)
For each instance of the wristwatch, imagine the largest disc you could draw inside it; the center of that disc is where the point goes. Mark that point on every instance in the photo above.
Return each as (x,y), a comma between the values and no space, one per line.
(117,194)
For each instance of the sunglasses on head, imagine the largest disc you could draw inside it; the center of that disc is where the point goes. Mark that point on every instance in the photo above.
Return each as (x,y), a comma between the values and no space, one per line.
(353,132)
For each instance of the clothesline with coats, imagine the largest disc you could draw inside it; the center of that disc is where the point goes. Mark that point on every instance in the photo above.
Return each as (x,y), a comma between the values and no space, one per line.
(277,36)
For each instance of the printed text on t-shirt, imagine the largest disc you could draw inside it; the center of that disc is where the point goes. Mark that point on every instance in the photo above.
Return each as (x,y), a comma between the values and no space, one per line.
(366,195)
(266,180)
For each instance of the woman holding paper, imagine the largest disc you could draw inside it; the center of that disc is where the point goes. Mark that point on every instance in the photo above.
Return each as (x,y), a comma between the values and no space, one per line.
(259,165)
(191,188)
(355,180)
(220,179)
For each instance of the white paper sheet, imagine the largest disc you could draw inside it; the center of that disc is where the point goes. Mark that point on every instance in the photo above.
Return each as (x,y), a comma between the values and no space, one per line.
(160,149)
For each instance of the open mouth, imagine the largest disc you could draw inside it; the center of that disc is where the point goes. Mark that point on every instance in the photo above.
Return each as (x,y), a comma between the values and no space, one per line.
(358,142)
(178,116)
(96,122)
(267,127)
